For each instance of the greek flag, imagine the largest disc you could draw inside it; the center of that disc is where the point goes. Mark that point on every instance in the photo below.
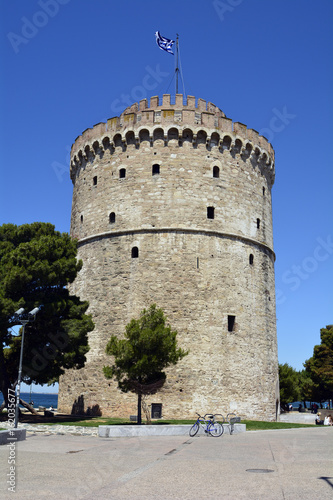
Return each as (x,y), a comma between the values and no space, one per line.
(164,43)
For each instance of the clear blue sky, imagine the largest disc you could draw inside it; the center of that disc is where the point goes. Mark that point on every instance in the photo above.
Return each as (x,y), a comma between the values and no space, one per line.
(69,64)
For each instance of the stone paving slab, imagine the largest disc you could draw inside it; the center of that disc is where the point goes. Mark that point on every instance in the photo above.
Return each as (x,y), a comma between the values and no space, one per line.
(264,465)
(107,431)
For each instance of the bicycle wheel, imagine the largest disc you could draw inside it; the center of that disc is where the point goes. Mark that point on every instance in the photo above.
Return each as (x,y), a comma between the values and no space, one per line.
(215,429)
(194,429)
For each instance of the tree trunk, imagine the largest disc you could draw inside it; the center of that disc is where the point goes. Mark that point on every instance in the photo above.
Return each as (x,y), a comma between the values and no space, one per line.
(5,384)
(139,409)
(29,407)
(145,408)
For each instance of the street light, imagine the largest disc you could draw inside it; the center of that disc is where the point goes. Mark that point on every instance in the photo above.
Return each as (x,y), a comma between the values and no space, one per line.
(24,319)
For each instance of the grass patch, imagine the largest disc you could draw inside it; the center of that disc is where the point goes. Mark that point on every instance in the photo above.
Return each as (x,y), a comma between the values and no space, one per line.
(96,421)
(254,425)
(251,425)
(91,422)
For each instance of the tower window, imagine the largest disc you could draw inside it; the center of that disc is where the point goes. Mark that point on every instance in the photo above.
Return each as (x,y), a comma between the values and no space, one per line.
(231,323)
(263,191)
(122,173)
(95,180)
(155,169)
(112,218)
(81,218)
(258,223)
(210,212)
(251,259)
(216,171)
(135,252)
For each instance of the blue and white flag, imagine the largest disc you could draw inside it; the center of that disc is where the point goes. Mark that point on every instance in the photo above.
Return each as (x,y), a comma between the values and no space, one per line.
(164,43)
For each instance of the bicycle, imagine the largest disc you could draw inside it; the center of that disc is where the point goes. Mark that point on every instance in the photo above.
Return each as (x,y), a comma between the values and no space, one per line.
(210,426)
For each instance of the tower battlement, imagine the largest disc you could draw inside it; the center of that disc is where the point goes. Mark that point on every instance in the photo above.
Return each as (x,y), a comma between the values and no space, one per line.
(196,122)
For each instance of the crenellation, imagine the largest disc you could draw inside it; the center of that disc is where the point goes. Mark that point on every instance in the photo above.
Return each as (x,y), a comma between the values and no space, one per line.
(154,102)
(202,105)
(190,102)
(129,118)
(240,129)
(167,115)
(211,108)
(179,103)
(253,135)
(87,134)
(166,100)
(147,116)
(206,114)
(143,104)
(208,119)
(113,124)
(205,119)
(188,117)
(225,124)
(131,109)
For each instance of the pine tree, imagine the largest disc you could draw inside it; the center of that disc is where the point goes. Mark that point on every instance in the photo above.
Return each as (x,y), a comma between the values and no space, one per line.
(320,365)
(148,348)
(36,265)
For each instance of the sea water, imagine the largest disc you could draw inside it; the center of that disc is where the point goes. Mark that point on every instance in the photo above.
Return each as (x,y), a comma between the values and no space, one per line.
(39,399)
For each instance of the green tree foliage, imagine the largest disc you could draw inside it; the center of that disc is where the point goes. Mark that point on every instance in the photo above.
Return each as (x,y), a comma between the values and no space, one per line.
(307,387)
(289,384)
(320,366)
(36,265)
(148,348)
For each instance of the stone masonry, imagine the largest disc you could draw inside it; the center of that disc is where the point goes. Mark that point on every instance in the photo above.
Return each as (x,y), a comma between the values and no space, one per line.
(172,205)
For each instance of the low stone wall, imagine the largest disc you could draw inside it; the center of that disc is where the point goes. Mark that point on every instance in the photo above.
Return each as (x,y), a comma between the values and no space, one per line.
(12,436)
(296,417)
(107,431)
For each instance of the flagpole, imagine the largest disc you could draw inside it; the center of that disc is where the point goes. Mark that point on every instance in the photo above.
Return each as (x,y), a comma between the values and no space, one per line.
(177,69)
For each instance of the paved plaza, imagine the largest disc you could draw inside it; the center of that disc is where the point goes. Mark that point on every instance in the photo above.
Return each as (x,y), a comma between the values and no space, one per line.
(284,464)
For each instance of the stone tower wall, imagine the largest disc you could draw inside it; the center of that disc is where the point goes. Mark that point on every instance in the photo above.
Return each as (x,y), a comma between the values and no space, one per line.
(191,192)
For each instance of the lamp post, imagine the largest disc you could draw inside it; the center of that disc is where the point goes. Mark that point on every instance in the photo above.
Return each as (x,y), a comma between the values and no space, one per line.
(24,319)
